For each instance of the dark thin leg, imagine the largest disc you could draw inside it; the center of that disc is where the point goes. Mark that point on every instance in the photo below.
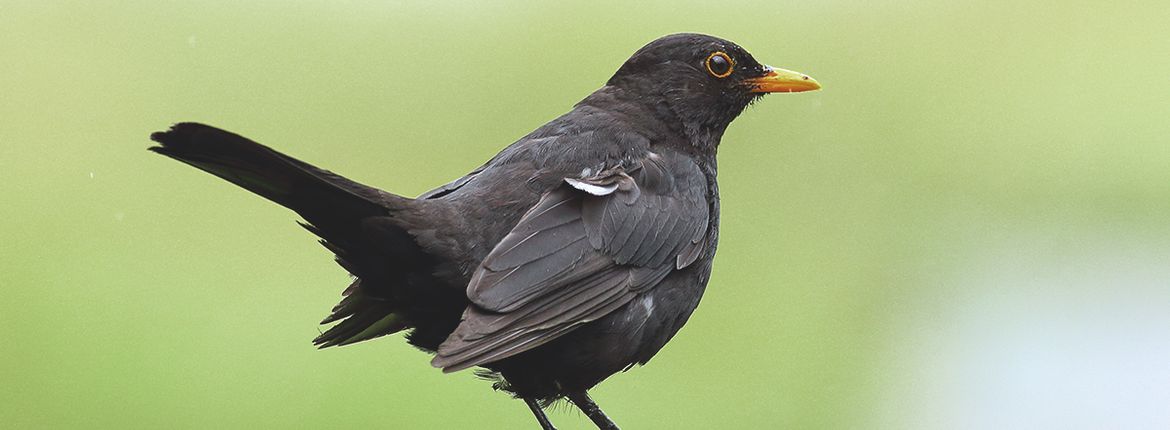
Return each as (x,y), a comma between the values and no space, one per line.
(541,418)
(591,410)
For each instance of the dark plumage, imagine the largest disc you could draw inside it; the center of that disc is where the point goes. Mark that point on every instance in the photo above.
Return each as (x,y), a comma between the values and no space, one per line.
(576,252)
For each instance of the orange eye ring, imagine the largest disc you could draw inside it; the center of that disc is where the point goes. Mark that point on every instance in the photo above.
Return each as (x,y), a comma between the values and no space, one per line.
(720,65)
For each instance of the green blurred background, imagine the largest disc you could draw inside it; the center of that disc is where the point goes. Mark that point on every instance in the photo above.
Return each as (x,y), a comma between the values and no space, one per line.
(967,228)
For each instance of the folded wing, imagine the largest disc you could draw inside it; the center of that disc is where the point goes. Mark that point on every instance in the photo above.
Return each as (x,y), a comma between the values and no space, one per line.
(584,250)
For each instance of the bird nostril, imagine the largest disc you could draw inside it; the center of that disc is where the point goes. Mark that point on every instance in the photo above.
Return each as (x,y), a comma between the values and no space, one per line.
(806,78)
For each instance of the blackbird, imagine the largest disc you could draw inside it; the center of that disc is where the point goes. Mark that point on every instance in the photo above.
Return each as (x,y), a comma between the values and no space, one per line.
(576,252)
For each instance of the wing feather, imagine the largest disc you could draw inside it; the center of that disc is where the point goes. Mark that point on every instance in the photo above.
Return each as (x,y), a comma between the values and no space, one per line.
(587,248)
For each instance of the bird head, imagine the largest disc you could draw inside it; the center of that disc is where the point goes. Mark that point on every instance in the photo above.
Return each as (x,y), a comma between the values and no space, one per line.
(702,81)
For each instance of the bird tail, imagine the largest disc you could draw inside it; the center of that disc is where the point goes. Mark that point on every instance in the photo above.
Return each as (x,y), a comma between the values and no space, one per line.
(320,196)
(353,220)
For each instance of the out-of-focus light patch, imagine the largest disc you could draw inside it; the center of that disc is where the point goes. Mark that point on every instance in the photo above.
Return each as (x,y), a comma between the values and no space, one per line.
(1056,332)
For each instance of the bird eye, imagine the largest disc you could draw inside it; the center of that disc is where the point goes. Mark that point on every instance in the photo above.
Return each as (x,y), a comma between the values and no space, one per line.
(719,64)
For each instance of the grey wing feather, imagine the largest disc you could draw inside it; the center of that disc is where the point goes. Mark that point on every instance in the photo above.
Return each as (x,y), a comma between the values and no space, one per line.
(584,250)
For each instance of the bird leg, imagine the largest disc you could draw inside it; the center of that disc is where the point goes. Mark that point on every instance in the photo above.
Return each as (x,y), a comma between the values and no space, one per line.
(591,410)
(541,418)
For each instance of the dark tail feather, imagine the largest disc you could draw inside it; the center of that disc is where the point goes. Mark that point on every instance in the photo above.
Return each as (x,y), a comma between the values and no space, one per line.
(362,318)
(336,208)
(316,194)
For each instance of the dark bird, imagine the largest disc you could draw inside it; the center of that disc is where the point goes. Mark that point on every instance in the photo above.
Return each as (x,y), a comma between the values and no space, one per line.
(576,252)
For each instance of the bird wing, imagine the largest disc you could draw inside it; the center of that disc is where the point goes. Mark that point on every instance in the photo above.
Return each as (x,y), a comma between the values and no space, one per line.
(584,250)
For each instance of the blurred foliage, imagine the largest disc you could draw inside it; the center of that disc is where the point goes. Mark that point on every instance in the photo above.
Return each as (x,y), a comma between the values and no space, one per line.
(951,139)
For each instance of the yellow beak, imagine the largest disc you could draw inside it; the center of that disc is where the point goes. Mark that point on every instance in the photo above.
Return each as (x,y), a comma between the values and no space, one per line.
(782,81)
